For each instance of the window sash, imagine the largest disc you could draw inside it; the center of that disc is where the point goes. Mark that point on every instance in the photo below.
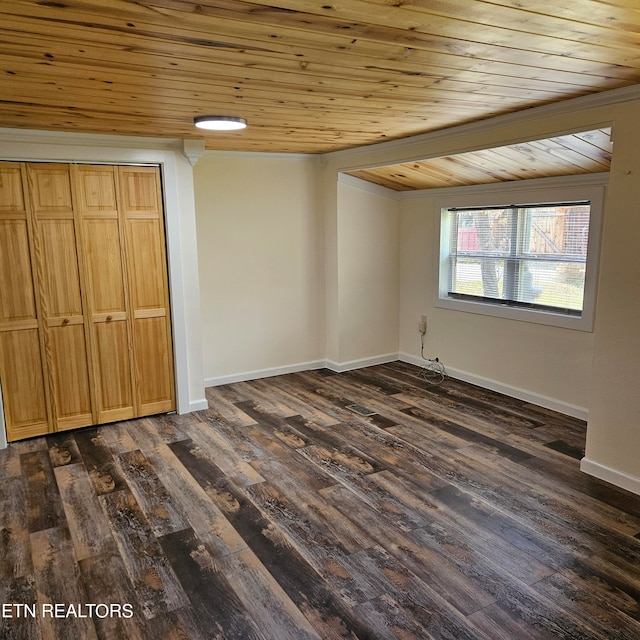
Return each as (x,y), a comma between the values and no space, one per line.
(508,248)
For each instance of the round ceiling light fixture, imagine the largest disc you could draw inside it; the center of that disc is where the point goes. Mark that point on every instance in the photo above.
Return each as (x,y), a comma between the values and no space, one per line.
(220,123)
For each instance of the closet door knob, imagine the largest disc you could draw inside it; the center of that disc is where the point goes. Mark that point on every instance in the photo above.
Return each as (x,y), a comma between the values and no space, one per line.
(109,318)
(65,321)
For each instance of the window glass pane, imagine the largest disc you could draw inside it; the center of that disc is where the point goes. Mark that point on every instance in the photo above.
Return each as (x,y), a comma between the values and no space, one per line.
(484,231)
(479,277)
(521,254)
(560,230)
(554,284)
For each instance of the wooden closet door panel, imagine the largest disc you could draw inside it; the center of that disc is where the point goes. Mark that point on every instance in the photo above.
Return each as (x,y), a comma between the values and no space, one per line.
(153,360)
(106,292)
(51,190)
(17,301)
(11,191)
(97,190)
(23,385)
(61,277)
(104,265)
(147,261)
(71,376)
(21,366)
(115,390)
(61,296)
(141,203)
(140,191)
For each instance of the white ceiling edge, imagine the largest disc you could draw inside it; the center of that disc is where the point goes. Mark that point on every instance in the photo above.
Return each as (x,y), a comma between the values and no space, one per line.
(371,187)
(600,99)
(81,139)
(593,179)
(260,154)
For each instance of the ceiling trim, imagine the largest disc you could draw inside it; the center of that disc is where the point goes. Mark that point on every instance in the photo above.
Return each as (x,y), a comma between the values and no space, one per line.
(601,99)
(371,187)
(83,139)
(260,154)
(599,179)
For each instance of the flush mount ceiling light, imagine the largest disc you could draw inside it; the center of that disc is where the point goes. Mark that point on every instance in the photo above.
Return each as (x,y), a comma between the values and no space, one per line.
(220,123)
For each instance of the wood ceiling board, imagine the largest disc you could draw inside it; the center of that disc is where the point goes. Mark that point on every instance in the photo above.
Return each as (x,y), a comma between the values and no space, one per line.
(22,73)
(537,17)
(307,78)
(567,156)
(484,23)
(315,49)
(464,35)
(496,74)
(134,56)
(535,159)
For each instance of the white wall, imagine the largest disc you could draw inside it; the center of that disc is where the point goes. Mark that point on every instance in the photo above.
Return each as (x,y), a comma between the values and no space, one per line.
(613,434)
(368,273)
(260,244)
(546,364)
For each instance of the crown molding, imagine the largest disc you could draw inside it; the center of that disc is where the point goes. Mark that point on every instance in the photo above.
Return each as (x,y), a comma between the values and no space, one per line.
(600,99)
(83,139)
(214,153)
(599,179)
(371,187)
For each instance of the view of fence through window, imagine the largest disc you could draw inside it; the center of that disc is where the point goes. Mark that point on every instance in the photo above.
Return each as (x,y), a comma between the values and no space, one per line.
(523,255)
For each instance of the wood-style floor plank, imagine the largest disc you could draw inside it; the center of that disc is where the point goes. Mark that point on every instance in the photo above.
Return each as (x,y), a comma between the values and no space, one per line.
(58,580)
(87,523)
(106,582)
(15,623)
(281,513)
(155,582)
(43,498)
(15,551)
(158,507)
(215,605)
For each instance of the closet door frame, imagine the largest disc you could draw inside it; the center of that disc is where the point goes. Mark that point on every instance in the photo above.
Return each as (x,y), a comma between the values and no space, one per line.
(175,159)
(61,212)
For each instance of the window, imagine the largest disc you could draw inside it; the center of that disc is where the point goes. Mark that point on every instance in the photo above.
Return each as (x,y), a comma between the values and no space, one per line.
(533,260)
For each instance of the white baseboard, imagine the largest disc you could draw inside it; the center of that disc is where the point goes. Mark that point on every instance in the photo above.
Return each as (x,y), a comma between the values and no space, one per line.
(613,476)
(341,367)
(264,373)
(198,405)
(338,367)
(508,390)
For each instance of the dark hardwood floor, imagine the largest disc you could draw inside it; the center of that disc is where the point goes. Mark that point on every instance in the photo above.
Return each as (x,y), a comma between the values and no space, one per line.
(280,514)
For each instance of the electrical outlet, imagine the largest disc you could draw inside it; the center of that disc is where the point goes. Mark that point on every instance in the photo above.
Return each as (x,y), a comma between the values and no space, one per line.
(422,325)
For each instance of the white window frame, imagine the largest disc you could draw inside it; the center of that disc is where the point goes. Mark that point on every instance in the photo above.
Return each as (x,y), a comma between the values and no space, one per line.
(545,191)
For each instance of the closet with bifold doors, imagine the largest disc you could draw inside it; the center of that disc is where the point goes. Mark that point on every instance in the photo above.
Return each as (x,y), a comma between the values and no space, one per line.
(85,333)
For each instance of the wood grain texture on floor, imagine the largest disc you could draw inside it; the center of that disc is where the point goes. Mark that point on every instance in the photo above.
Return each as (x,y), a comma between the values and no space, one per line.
(280,513)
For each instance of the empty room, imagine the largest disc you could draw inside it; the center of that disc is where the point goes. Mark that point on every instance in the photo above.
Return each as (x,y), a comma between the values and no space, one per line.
(319,321)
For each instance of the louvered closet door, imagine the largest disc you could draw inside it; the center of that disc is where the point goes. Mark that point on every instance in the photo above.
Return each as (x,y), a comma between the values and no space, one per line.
(60,292)
(141,207)
(106,291)
(22,370)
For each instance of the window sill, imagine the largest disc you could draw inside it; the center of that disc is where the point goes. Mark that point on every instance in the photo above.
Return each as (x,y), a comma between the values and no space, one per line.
(561,320)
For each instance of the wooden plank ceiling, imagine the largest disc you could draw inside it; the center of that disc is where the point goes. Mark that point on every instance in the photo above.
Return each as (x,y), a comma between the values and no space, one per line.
(310,76)
(575,154)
